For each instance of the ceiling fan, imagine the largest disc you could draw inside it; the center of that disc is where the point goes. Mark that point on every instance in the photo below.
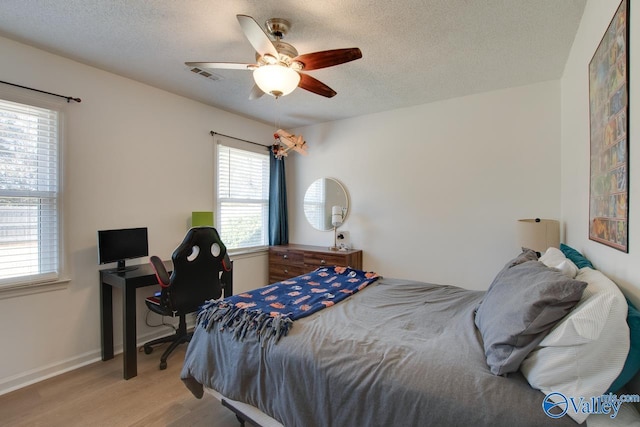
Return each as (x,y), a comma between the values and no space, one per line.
(278,67)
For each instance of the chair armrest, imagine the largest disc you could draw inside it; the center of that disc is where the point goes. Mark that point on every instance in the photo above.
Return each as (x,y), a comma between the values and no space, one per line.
(226,263)
(227,274)
(161,272)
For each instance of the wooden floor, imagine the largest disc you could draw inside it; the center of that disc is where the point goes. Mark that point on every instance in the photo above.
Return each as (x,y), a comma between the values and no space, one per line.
(96,395)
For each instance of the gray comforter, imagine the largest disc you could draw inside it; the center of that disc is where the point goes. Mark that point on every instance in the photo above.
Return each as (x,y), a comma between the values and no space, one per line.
(399,353)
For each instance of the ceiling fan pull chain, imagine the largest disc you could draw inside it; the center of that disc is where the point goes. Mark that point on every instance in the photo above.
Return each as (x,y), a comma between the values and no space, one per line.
(277,111)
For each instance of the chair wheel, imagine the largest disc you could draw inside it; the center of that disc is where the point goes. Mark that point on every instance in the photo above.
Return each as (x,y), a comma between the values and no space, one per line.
(163,366)
(148,349)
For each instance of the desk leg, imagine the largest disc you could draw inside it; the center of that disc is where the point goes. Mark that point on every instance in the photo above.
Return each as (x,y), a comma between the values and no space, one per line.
(129,353)
(106,320)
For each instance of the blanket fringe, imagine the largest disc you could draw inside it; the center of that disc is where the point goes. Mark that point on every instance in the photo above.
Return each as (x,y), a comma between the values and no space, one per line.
(241,321)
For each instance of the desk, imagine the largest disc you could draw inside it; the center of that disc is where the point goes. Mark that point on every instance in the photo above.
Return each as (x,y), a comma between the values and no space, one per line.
(128,282)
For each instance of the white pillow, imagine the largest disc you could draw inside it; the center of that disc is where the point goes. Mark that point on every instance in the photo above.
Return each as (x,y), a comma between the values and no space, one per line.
(554,258)
(584,353)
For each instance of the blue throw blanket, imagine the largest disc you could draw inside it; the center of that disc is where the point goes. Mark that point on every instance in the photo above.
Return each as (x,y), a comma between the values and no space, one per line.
(270,311)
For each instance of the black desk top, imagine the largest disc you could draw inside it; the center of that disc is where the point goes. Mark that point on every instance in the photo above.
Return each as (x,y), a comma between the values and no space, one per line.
(136,277)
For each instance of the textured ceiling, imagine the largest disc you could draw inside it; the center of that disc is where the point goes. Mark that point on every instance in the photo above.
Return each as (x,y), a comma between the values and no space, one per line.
(414,51)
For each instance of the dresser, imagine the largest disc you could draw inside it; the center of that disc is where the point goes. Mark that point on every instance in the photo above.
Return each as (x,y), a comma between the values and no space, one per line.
(286,261)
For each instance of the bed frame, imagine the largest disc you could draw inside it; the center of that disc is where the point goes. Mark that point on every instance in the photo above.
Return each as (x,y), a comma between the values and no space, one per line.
(245,413)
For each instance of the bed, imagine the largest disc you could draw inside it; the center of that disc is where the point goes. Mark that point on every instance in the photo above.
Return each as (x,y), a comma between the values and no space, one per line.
(403,352)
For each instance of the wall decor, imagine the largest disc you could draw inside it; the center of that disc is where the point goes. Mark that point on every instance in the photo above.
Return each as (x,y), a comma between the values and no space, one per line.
(609,128)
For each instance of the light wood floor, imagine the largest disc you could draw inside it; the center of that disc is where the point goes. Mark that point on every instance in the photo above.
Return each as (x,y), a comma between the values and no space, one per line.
(96,395)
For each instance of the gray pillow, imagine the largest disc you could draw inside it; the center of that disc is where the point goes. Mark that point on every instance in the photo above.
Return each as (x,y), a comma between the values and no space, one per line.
(526,255)
(521,306)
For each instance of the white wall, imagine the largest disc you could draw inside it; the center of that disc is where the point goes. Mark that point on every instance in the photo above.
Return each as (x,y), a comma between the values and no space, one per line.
(436,189)
(621,267)
(134,156)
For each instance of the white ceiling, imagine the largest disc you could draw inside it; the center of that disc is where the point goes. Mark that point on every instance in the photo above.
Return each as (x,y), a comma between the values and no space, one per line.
(414,51)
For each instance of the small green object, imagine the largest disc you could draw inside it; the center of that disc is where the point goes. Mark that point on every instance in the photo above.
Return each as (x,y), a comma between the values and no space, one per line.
(200,219)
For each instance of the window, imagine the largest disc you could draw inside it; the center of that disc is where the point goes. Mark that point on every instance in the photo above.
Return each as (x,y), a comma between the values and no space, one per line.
(243,195)
(29,148)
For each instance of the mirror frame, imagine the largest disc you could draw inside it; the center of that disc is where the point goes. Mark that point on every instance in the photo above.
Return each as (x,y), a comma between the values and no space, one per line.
(327,209)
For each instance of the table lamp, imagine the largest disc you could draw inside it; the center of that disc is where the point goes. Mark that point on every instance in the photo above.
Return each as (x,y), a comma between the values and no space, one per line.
(337,216)
(538,234)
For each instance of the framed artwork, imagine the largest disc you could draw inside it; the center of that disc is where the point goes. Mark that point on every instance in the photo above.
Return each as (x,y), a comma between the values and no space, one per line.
(609,129)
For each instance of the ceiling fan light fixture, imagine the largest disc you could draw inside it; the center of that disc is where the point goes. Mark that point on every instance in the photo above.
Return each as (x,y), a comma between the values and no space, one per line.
(269,59)
(276,80)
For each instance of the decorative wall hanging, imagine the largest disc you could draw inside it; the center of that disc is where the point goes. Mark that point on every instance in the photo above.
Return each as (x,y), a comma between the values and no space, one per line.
(609,127)
(285,142)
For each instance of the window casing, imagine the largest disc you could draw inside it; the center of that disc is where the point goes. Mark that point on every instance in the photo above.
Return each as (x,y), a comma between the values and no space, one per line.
(243,195)
(29,193)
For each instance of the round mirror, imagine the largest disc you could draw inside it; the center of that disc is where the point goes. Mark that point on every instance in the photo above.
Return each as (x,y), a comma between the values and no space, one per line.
(321,196)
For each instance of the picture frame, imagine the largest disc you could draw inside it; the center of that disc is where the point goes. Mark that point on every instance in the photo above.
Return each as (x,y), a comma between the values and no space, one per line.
(609,135)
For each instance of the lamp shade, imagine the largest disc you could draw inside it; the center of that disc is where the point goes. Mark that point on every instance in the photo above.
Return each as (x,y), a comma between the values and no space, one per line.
(199,219)
(276,80)
(336,216)
(538,234)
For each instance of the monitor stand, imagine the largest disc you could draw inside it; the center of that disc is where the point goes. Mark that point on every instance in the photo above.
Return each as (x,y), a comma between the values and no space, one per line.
(121,268)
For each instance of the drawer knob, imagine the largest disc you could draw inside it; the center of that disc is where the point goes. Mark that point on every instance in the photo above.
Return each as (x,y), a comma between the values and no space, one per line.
(286,271)
(322,262)
(285,256)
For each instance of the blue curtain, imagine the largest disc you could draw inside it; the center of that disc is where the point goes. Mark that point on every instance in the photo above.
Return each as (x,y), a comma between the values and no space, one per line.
(278,215)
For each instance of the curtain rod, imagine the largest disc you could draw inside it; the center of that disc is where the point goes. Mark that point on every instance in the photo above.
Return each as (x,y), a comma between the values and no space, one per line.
(239,139)
(68,98)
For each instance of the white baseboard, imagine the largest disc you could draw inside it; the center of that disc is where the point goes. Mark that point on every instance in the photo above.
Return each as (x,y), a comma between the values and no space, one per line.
(42,373)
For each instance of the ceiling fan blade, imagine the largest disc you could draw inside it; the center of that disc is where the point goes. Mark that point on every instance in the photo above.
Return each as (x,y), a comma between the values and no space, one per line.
(256,36)
(227,65)
(316,86)
(256,92)
(328,58)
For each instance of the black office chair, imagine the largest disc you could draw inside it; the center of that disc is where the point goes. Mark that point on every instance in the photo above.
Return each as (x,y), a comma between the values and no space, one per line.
(201,269)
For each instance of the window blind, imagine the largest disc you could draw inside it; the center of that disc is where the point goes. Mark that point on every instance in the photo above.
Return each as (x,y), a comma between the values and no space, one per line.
(28,193)
(243,197)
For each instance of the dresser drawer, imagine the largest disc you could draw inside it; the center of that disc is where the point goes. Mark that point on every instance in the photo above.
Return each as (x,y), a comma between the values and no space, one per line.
(288,257)
(318,259)
(278,272)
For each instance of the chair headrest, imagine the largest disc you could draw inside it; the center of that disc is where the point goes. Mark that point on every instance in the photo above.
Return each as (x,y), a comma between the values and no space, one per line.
(201,245)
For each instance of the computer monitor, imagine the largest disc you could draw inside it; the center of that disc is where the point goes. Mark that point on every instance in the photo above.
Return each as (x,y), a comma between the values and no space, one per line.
(120,245)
